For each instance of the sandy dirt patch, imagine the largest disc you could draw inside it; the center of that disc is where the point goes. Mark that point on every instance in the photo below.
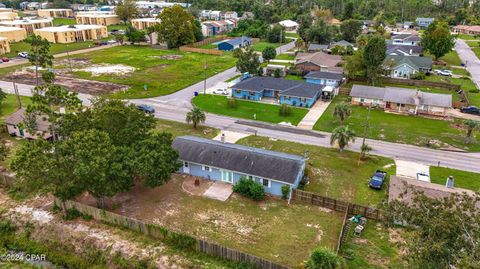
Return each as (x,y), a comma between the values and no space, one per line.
(71,83)
(107,69)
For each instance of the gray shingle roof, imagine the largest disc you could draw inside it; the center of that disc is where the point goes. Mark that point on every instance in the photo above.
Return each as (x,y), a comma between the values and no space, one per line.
(342,43)
(325,75)
(239,40)
(416,62)
(367,92)
(285,86)
(407,37)
(18,117)
(251,161)
(404,48)
(317,47)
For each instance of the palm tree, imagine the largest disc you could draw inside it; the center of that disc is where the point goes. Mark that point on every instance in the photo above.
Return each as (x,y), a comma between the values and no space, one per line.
(364,149)
(195,116)
(342,135)
(342,111)
(471,125)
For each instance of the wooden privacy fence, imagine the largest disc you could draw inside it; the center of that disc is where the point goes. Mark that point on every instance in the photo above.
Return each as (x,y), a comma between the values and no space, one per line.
(170,237)
(344,232)
(337,205)
(414,82)
(194,47)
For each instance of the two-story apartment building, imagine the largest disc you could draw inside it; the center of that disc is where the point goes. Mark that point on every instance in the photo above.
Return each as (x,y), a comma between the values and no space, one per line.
(55,13)
(144,23)
(72,33)
(97,18)
(29,24)
(13,34)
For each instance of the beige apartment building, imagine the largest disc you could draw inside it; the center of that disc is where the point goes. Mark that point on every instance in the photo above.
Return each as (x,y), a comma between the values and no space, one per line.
(28,24)
(8,16)
(4,45)
(55,13)
(144,23)
(72,33)
(97,19)
(13,34)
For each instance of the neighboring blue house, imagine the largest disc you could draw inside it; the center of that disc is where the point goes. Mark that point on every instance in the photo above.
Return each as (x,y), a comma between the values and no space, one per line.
(239,42)
(326,78)
(227,162)
(283,91)
(424,22)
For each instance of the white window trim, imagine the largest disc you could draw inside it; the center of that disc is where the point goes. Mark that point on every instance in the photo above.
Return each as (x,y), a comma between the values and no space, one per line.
(269,185)
(206,168)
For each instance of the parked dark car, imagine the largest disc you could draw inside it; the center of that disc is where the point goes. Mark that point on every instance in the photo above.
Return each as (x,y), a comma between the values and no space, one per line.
(470,110)
(376,181)
(5,59)
(146,108)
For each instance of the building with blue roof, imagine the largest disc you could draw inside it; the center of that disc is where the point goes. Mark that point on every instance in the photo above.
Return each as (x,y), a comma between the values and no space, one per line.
(239,42)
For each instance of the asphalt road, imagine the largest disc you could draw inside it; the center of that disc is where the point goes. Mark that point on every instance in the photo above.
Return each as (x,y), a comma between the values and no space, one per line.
(470,59)
(175,106)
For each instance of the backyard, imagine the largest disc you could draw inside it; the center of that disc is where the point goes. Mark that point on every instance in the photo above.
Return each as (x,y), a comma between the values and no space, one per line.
(396,128)
(260,46)
(271,229)
(247,109)
(332,173)
(148,72)
(462,179)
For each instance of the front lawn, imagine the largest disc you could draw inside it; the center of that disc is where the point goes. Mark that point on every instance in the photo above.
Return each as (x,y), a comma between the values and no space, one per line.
(462,179)
(292,35)
(270,229)
(117,27)
(178,129)
(332,173)
(452,58)
(285,56)
(63,21)
(17,47)
(162,71)
(260,46)
(466,37)
(396,128)
(247,109)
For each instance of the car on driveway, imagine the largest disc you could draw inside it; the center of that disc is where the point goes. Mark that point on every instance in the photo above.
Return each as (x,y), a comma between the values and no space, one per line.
(5,60)
(146,108)
(377,180)
(220,91)
(23,54)
(470,110)
(444,72)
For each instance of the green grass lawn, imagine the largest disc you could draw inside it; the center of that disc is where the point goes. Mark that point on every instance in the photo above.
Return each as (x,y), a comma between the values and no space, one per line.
(293,77)
(451,58)
(117,27)
(477,51)
(472,44)
(285,56)
(466,37)
(466,84)
(179,129)
(17,47)
(161,75)
(332,173)
(390,127)
(233,78)
(293,35)
(260,46)
(63,21)
(208,46)
(246,109)
(374,248)
(460,71)
(462,179)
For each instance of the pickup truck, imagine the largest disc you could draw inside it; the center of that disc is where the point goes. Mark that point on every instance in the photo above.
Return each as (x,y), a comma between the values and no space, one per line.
(376,181)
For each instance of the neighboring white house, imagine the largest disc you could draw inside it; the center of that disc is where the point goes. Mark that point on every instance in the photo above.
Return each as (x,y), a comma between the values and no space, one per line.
(289,25)
(15,128)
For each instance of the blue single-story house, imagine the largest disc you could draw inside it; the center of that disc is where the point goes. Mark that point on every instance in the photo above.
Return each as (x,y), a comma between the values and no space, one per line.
(283,91)
(239,42)
(326,78)
(227,162)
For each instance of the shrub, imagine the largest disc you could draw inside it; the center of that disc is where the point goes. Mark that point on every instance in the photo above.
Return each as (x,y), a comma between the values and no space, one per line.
(285,191)
(232,103)
(277,73)
(418,76)
(285,110)
(250,189)
(323,258)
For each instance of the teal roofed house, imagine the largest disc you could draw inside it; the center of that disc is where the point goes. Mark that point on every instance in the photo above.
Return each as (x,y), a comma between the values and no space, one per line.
(401,66)
(281,91)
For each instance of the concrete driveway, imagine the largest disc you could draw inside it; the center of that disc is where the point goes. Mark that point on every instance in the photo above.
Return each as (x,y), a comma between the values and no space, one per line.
(315,112)
(410,169)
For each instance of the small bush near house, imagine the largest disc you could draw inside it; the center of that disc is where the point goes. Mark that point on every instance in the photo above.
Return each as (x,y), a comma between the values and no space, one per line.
(232,103)
(285,110)
(323,258)
(277,73)
(250,189)
(285,191)
(418,76)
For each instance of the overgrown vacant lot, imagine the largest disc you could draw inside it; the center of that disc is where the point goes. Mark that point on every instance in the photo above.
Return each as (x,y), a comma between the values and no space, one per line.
(270,229)
(247,109)
(335,174)
(399,128)
(162,71)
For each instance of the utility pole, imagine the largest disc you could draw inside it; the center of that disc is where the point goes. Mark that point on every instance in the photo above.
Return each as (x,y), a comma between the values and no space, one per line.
(17,94)
(205,77)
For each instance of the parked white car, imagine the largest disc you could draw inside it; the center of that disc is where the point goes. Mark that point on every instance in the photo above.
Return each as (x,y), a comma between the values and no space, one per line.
(220,91)
(23,54)
(444,72)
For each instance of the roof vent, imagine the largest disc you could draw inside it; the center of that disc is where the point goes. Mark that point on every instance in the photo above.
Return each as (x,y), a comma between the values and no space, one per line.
(450,182)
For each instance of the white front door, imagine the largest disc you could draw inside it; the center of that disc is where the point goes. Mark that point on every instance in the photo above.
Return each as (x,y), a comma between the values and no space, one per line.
(227,176)
(186,167)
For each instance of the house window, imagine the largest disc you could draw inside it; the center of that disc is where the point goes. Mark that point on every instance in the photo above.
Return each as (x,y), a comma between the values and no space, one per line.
(250,177)
(266,183)
(206,168)
(238,91)
(185,164)
(362,100)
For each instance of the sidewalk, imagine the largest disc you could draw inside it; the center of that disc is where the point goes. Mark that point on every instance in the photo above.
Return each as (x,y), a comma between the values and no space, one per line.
(315,112)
